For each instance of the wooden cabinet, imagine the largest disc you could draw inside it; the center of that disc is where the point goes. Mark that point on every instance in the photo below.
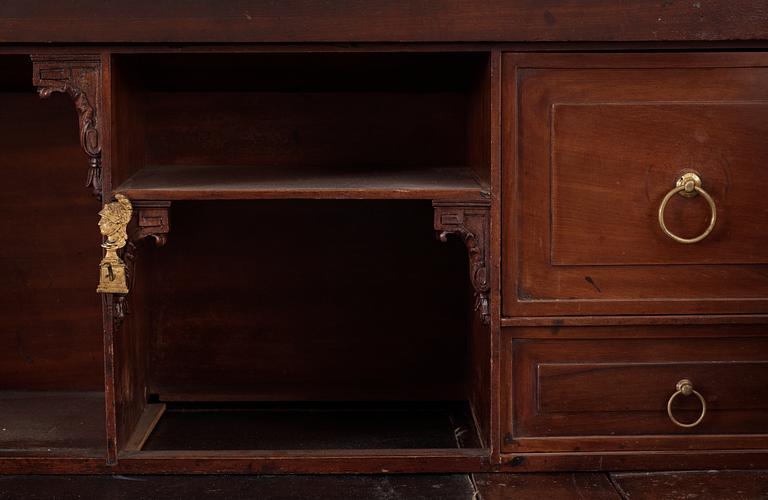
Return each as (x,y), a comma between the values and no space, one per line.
(409,238)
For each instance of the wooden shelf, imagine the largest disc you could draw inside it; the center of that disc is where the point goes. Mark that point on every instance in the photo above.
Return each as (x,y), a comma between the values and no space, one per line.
(52,423)
(307,426)
(170,183)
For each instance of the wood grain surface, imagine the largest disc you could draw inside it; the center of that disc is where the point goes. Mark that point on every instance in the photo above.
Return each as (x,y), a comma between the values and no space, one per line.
(714,485)
(618,390)
(395,21)
(597,143)
(593,315)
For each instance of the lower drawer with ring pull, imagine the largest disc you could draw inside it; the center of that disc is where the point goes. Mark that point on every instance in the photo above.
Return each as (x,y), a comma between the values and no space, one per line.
(635,393)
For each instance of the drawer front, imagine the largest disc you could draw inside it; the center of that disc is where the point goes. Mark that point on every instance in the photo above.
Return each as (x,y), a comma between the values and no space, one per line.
(613,388)
(597,144)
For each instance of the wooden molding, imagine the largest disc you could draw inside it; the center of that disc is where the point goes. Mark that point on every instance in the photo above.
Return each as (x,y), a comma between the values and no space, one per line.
(470,221)
(80,78)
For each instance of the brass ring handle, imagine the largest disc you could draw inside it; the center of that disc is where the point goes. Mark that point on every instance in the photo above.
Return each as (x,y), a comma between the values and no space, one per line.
(688,185)
(685,387)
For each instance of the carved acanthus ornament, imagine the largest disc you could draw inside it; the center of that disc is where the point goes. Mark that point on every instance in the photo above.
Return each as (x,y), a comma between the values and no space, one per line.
(79,76)
(470,221)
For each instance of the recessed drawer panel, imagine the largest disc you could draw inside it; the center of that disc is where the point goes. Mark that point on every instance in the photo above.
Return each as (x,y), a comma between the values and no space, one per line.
(636,184)
(639,387)
(616,388)
(612,164)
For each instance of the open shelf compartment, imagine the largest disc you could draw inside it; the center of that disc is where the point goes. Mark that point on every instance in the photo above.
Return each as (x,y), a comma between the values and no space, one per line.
(300,342)
(51,354)
(302,302)
(320,125)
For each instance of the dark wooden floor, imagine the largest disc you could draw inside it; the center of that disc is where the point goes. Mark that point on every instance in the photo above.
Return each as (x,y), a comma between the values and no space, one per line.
(708,485)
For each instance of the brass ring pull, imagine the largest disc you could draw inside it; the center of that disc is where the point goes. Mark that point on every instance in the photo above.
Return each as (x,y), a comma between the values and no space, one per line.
(685,387)
(689,185)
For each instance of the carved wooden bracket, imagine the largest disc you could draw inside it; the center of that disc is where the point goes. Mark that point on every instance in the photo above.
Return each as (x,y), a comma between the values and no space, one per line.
(471,222)
(79,76)
(151,221)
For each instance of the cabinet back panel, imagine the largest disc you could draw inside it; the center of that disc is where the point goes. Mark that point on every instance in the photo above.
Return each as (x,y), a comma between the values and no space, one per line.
(308,300)
(370,110)
(295,71)
(50,314)
(314,129)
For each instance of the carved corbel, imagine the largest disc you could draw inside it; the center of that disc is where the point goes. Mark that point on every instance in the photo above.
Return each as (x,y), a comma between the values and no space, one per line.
(470,221)
(150,222)
(79,76)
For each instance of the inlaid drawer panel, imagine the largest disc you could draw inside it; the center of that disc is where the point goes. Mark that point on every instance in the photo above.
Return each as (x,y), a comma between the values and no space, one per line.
(594,147)
(615,388)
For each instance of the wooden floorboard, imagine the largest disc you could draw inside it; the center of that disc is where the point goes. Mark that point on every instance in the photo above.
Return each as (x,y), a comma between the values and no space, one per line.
(592,486)
(712,485)
(703,485)
(395,487)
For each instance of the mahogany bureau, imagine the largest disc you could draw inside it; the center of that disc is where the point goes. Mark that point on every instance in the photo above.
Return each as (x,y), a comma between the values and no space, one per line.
(368,237)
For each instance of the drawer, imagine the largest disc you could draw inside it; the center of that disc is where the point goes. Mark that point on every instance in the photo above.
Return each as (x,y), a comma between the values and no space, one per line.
(593,144)
(611,389)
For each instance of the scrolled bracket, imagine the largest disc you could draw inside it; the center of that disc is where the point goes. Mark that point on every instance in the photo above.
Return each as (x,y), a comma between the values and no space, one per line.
(470,221)
(151,222)
(78,76)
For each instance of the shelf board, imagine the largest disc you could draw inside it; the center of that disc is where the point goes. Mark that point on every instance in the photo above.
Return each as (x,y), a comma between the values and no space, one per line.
(52,424)
(209,182)
(308,426)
